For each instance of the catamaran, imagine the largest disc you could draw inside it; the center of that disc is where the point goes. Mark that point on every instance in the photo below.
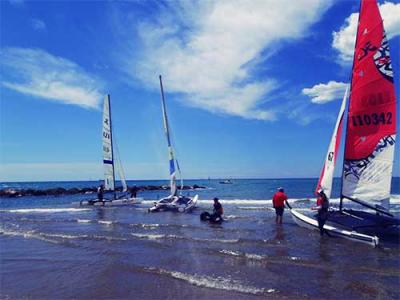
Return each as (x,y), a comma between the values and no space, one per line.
(109,165)
(175,201)
(369,141)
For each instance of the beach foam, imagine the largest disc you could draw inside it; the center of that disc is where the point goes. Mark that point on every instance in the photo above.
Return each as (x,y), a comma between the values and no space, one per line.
(83,221)
(27,234)
(180,237)
(219,282)
(105,222)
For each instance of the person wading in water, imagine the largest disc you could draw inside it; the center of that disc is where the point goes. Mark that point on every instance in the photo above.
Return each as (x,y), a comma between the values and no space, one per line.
(218,210)
(278,200)
(100,193)
(322,207)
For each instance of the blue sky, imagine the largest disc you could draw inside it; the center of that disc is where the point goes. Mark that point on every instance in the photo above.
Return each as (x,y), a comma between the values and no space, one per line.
(253,87)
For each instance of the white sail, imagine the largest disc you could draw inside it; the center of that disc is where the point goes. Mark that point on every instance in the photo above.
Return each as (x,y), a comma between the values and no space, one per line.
(108,159)
(369,179)
(326,178)
(172,171)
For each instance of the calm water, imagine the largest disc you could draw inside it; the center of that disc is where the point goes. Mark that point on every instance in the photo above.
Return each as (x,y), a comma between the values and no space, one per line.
(52,249)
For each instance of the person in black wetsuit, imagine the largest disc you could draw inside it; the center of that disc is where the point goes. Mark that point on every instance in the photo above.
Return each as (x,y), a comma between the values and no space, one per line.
(218,210)
(134,191)
(322,207)
(100,192)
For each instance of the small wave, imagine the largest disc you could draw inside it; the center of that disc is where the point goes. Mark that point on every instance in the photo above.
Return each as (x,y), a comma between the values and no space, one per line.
(27,234)
(283,260)
(179,237)
(232,217)
(81,236)
(229,252)
(64,236)
(107,238)
(156,226)
(105,222)
(83,221)
(45,210)
(254,208)
(219,282)
(240,254)
(202,240)
(153,236)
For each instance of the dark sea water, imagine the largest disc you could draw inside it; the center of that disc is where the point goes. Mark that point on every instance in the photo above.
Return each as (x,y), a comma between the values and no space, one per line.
(50,248)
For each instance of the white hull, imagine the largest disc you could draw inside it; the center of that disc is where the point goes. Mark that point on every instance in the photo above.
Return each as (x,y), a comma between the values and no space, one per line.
(311,223)
(174,204)
(117,202)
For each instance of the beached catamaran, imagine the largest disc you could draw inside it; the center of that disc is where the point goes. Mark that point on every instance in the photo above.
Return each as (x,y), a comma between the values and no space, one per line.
(369,140)
(109,164)
(176,201)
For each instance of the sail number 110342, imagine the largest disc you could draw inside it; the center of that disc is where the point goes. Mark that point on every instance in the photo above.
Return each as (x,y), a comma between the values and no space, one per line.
(372,119)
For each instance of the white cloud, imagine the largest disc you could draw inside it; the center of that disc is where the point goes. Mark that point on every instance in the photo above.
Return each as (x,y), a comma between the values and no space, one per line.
(325,92)
(37,73)
(344,39)
(207,51)
(38,24)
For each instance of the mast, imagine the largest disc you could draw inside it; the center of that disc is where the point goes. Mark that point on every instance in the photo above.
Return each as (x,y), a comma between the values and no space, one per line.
(371,122)
(327,172)
(348,112)
(170,150)
(112,146)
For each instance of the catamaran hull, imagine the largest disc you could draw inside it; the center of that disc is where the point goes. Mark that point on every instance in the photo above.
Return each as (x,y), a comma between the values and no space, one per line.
(117,202)
(311,223)
(173,206)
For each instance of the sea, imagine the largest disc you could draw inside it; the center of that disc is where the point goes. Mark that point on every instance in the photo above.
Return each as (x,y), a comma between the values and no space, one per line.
(51,248)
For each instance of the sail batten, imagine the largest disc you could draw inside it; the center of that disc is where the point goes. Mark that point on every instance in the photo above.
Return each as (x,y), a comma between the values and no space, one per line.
(371,122)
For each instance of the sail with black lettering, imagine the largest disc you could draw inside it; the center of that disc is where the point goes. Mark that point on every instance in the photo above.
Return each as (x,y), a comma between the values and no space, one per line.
(371,124)
(108,157)
(326,177)
(172,171)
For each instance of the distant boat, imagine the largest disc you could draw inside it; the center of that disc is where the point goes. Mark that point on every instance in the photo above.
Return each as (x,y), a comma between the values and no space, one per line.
(175,201)
(369,141)
(109,164)
(226,181)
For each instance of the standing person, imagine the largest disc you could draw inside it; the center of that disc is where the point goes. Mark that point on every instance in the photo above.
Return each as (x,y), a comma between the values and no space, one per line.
(134,190)
(278,201)
(100,192)
(322,207)
(218,210)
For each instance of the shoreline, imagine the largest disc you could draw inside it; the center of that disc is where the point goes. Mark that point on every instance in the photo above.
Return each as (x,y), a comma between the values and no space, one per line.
(59,191)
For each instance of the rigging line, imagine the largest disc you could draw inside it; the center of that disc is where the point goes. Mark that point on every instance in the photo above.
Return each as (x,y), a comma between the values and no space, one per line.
(120,166)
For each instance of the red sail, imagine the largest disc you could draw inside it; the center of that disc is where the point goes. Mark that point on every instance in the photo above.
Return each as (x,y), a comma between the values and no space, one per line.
(372,110)
(371,123)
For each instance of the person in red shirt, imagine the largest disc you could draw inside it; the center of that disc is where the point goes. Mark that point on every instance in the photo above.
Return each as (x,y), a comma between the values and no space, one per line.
(278,200)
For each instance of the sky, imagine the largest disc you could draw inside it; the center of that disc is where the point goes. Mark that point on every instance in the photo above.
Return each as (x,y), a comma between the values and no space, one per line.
(253,88)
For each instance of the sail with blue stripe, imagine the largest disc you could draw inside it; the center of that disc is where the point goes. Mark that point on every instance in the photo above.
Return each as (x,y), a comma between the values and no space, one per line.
(172,171)
(108,158)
